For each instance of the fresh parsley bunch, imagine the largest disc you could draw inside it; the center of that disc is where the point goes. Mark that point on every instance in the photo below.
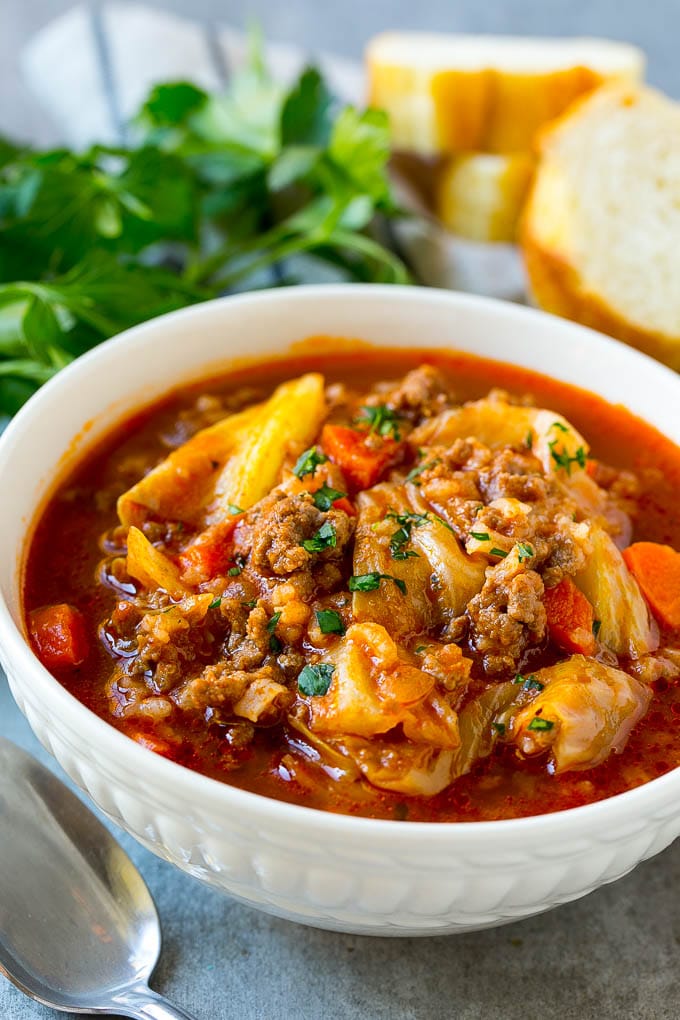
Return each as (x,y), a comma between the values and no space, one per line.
(213,190)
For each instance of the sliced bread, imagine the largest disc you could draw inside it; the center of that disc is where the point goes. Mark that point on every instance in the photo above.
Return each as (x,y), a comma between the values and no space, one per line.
(457,93)
(480,196)
(600,232)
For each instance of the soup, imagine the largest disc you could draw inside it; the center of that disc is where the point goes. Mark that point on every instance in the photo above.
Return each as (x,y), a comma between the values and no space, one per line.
(394,584)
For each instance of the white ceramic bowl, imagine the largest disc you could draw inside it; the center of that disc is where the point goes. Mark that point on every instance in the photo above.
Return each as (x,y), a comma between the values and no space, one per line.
(349,874)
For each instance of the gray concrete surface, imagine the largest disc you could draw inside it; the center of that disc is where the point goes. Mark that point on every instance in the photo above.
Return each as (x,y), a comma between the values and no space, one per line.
(612,955)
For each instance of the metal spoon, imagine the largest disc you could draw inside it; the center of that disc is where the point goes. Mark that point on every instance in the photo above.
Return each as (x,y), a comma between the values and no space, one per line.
(78,928)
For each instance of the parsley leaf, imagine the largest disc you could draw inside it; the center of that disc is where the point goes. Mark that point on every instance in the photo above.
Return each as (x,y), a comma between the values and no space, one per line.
(325,538)
(403,534)
(213,189)
(565,460)
(274,643)
(329,621)
(481,536)
(524,551)
(381,419)
(216,602)
(371,582)
(308,462)
(540,724)
(325,497)
(529,683)
(314,681)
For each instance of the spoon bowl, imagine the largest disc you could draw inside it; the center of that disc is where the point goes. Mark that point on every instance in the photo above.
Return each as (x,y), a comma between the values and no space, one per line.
(79,930)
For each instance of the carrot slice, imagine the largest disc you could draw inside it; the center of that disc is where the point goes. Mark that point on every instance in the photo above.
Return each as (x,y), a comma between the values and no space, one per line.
(362,465)
(656,568)
(59,634)
(570,618)
(210,554)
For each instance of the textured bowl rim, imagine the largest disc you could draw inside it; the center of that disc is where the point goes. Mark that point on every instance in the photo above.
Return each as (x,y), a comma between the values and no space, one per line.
(213,794)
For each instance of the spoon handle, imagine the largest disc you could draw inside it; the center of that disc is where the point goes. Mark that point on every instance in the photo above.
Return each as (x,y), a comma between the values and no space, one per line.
(142,1003)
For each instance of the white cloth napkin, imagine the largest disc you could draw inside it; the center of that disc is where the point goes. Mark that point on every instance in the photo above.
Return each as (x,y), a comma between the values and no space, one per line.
(92,66)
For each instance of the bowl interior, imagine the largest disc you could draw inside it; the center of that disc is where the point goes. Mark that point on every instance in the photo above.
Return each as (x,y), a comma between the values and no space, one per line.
(68,415)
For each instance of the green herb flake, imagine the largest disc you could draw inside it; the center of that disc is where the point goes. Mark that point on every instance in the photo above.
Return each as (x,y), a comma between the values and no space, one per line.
(481,536)
(498,727)
(234,571)
(314,681)
(540,724)
(216,602)
(562,458)
(371,582)
(498,552)
(420,468)
(529,683)
(596,627)
(325,497)
(234,510)
(420,648)
(560,426)
(380,419)
(274,643)
(325,538)
(529,441)
(309,461)
(271,625)
(402,535)
(249,603)
(524,551)
(329,621)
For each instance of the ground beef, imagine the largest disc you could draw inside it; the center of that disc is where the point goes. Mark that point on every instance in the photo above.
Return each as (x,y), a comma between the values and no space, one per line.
(257,694)
(515,475)
(422,393)
(168,642)
(249,646)
(507,616)
(279,524)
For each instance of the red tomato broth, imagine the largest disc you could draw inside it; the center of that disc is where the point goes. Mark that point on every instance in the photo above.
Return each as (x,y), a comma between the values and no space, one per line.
(501,786)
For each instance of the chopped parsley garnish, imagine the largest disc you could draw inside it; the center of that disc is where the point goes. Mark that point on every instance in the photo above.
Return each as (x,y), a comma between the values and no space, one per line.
(564,460)
(420,648)
(249,603)
(529,683)
(560,426)
(380,419)
(481,536)
(325,497)
(402,535)
(314,681)
(524,551)
(216,602)
(499,727)
(596,627)
(498,552)
(419,468)
(308,462)
(325,538)
(274,642)
(540,724)
(329,621)
(371,582)
(239,564)
(234,510)
(529,441)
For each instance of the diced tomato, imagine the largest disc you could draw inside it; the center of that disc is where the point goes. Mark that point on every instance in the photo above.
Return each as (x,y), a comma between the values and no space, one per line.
(570,618)
(345,505)
(59,635)
(362,464)
(210,554)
